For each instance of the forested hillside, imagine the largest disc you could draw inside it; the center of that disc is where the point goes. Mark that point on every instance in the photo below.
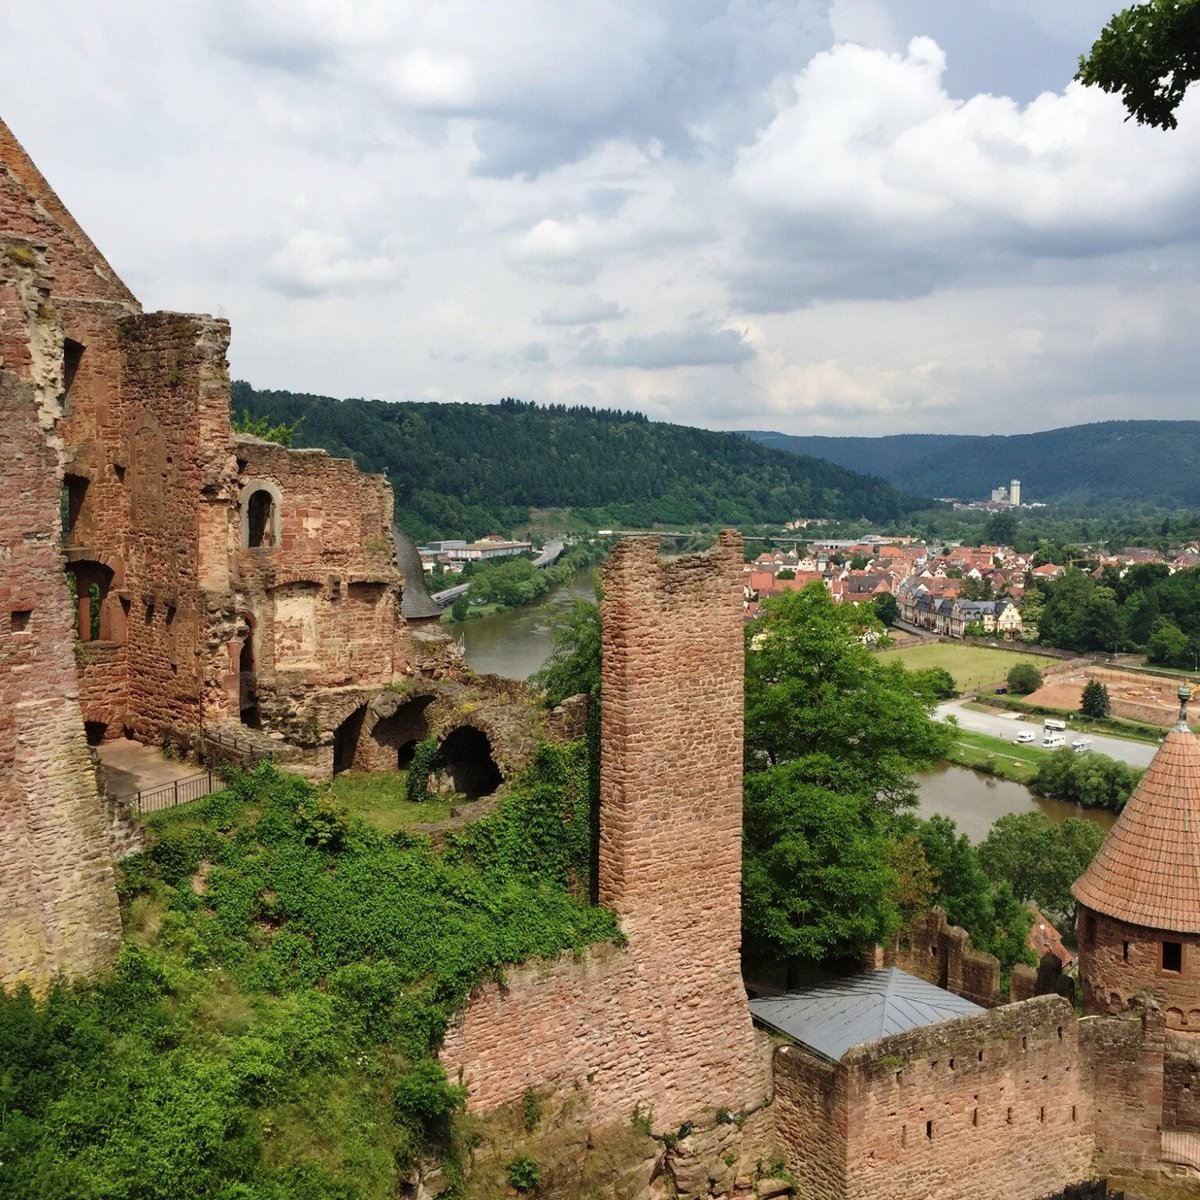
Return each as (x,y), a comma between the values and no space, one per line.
(471,469)
(1129,462)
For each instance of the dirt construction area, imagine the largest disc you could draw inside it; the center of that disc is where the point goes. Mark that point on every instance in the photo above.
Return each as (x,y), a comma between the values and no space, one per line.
(1149,698)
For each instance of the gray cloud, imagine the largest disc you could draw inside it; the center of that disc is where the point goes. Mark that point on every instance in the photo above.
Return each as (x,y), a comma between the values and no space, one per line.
(697,346)
(587,310)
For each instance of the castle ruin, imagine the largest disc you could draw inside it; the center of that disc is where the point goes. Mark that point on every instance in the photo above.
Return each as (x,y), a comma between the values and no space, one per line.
(220,581)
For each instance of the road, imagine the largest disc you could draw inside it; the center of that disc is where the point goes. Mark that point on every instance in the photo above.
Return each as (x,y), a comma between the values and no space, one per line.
(1006,725)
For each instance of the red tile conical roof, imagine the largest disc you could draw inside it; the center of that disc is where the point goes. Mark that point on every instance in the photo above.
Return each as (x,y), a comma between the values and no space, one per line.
(1147,872)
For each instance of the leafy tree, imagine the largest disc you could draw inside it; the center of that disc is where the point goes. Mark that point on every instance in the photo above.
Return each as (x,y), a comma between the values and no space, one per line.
(962,888)
(1039,859)
(915,883)
(1024,678)
(1150,54)
(815,694)
(995,919)
(858,562)
(832,737)
(1093,780)
(1168,644)
(974,629)
(935,682)
(1002,528)
(460,608)
(976,589)
(574,663)
(785,573)
(263,427)
(1094,701)
(817,877)
(887,608)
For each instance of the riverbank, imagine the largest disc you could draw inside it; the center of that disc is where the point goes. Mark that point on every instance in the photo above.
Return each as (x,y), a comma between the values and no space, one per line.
(994,756)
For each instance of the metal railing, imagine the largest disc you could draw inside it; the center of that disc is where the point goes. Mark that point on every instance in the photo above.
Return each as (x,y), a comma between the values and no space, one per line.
(177,791)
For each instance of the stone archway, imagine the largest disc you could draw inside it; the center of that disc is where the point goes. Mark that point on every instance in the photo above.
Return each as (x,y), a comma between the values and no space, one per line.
(466,759)
(398,733)
(345,740)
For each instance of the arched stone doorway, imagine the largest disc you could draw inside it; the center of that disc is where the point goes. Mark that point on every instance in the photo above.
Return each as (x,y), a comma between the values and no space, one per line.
(345,740)
(248,684)
(466,760)
(402,730)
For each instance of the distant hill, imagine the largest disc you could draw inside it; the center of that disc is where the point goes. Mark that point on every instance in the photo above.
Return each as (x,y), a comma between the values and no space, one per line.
(470,469)
(1152,462)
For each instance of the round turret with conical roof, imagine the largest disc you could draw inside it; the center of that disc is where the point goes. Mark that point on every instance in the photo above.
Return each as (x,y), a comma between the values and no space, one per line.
(1139,900)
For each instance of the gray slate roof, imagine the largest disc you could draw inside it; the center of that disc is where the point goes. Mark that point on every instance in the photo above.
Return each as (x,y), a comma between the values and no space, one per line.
(829,1018)
(415,602)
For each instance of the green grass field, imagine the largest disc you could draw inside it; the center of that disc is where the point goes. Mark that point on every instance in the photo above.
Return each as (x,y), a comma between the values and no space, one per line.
(971,666)
(378,797)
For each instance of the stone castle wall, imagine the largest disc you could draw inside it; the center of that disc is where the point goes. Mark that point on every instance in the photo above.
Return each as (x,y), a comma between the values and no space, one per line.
(941,953)
(1126,1059)
(663,1022)
(58,907)
(1001,1097)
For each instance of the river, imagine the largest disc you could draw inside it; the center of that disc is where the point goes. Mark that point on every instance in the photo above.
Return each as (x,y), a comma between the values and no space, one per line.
(515,644)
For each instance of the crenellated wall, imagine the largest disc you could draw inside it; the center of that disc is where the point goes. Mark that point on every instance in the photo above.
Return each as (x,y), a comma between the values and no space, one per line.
(1002,1097)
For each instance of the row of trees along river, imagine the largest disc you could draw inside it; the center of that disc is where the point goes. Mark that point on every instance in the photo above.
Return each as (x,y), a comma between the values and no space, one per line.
(515,644)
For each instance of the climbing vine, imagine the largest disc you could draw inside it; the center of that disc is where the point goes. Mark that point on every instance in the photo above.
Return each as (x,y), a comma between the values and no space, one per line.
(288,972)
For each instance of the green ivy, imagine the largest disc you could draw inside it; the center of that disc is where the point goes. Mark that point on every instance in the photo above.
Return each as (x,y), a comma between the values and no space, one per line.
(270,1028)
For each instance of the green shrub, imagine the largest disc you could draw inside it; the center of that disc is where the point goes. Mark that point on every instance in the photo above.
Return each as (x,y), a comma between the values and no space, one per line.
(416,784)
(1024,678)
(523,1173)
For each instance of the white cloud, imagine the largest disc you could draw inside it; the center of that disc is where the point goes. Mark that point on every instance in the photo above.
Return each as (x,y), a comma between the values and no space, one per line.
(535,199)
(885,183)
(312,263)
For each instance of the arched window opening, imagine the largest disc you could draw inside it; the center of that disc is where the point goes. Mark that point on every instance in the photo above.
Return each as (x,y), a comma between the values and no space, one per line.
(248,686)
(89,583)
(260,519)
(72,358)
(466,757)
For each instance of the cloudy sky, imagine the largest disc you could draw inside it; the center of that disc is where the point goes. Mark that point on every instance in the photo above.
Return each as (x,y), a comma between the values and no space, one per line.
(846,217)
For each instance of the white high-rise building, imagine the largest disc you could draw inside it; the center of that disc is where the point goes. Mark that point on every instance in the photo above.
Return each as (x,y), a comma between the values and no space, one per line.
(1014,493)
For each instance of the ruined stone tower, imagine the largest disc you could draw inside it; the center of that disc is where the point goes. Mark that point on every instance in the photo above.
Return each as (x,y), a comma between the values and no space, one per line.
(663,1023)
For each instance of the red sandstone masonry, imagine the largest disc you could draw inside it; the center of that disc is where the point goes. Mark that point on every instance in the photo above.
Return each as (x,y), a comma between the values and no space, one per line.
(664,1022)
(996,1104)
(58,909)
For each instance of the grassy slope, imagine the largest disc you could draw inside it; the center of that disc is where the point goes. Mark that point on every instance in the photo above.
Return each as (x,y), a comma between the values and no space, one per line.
(286,974)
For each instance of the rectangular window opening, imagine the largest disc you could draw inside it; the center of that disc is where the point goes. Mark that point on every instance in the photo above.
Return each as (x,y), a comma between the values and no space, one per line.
(975,1117)
(929,1130)
(1089,930)
(1124,951)
(18,619)
(1172,956)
